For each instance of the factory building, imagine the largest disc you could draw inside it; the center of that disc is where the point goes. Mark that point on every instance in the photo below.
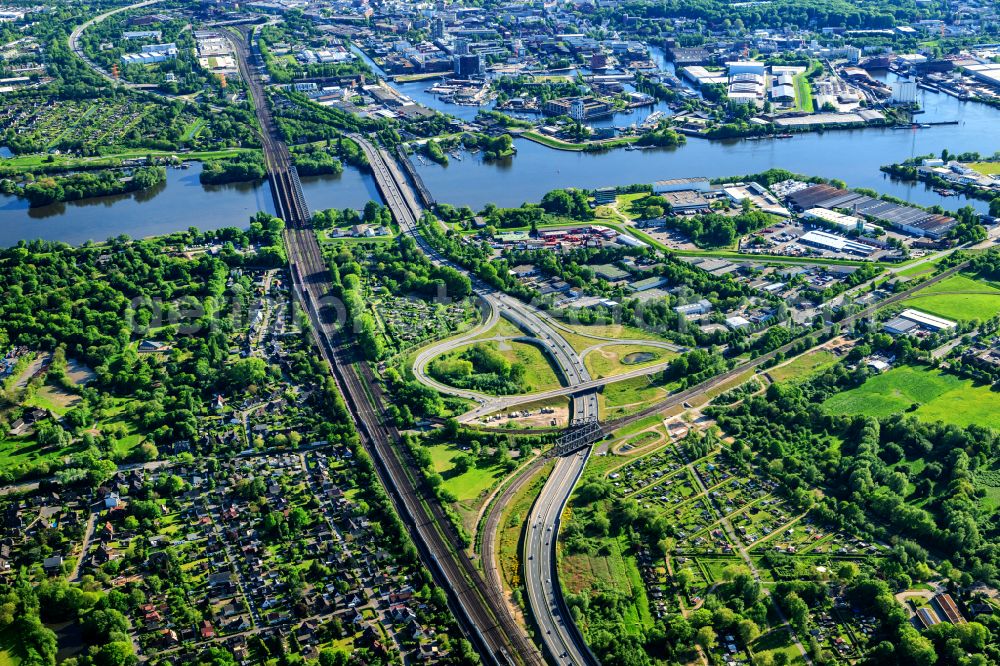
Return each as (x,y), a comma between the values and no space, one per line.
(702,307)
(904,92)
(680,184)
(142,34)
(846,222)
(151,53)
(832,243)
(911,220)
(910,321)
(745,67)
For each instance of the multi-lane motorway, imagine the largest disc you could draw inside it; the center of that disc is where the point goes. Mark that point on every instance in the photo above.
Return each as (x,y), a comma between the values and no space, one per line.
(558,633)
(406,210)
(483,615)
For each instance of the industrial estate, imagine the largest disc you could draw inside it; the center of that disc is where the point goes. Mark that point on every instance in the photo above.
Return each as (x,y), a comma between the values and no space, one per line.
(503,332)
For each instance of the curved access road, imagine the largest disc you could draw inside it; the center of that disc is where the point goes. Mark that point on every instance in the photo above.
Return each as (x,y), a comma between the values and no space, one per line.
(491,403)
(656,344)
(406,211)
(74,41)
(588,387)
(428,354)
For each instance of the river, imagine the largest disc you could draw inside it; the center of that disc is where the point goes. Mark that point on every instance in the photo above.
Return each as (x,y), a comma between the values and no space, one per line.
(851,155)
(181,202)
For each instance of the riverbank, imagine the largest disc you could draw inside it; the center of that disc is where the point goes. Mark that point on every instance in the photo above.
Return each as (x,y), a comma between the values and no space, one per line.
(83,185)
(174,205)
(589,146)
(943,186)
(51,163)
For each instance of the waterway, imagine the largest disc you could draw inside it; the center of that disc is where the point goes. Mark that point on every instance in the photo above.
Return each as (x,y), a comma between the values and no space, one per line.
(417,91)
(181,202)
(851,155)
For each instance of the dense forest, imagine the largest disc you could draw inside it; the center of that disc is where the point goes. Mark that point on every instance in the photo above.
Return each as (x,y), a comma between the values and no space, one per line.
(93,303)
(86,184)
(239,168)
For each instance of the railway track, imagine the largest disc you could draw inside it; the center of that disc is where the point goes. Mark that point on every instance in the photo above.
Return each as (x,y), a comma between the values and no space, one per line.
(559,635)
(494,633)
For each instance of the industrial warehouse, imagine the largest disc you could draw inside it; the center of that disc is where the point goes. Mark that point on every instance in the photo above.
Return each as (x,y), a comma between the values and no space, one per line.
(907,219)
(910,321)
(832,243)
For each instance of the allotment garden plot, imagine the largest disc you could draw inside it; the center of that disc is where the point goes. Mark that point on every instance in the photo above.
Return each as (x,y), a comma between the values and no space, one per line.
(410,321)
(75,123)
(720,511)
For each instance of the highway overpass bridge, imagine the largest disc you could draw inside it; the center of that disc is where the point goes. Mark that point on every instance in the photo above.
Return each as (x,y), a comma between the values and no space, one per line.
(482,614)
(562,640)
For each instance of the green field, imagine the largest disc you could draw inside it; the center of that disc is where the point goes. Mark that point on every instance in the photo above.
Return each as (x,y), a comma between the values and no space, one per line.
(583,572)
(964,283)
(767,258)
(585,336)
(512,522)
(777,641)
(617,359)
(624,203)
(629,396)
(68,161)
(540,373)
(559,144)
(939,396)
(988,168)
(917,270)
(804,366)
(959,297)
(469,487)
(502,329)
(803,93)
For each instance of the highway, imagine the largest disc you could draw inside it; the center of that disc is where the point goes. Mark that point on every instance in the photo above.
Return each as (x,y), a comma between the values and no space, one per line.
(407,211)
(559,634)
(482,615)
